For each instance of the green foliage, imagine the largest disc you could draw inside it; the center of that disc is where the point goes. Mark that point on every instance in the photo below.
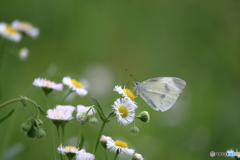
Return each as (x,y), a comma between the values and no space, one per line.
(7,116)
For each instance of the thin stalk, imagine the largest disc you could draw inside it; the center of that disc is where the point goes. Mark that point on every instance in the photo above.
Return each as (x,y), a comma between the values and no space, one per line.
(117,153)
(53,142)
(79,134)
(19,99)
(98,137)
(62,127)
(106,154)
(59,141)
(70,91)
(2,44)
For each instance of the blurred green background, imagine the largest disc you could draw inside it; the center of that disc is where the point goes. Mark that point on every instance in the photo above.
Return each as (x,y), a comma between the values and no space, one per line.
(95,41)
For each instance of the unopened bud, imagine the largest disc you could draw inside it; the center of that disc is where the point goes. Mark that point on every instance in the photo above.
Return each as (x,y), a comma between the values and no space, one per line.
(31,133)
(144,116)
(93,121)
(40,133)
(82,117)
(137,156)
(26,126)
(134,130)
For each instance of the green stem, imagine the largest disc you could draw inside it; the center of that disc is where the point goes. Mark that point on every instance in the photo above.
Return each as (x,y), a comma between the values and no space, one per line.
(53,142)
(98,137)
(46,100)
(117,153)
(19,99)
(59,141)
(106,154)
(63,126)
(101,130)
(112,118)
(79,135)
(70,91)
(2,44)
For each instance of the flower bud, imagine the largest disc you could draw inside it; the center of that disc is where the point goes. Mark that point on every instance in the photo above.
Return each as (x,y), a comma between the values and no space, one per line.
(137,156)
(134,130)
(40,133)
(82,117)
(26,126)
(31,133)
(144,116)
(93,121)
(39,122)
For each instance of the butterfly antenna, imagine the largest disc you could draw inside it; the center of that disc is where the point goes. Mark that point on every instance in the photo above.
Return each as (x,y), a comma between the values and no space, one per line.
(131,75)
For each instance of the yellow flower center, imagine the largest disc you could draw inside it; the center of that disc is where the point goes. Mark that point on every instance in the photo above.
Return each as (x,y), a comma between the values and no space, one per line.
(57,115)
(129,94)
(70,148)
(25,25)
(46,83)
(76,83)
(123,110)
(10,30)
(121,144)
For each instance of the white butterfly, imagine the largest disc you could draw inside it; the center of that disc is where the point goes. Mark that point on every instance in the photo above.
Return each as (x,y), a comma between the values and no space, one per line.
(160,93)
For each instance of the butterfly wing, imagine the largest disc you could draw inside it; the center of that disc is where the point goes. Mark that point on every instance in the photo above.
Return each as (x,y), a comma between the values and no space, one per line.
(162,92)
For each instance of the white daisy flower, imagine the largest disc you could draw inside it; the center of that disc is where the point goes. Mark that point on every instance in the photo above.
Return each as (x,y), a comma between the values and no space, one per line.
(23,53)
(125,110)
(10,33)
(61,112)
(81,109)
(119,146)
(44,83)
(75,86)
(137,156)
(26,27)
(67,149)
(124,92)
(83,155)
(104,140)
(66,108)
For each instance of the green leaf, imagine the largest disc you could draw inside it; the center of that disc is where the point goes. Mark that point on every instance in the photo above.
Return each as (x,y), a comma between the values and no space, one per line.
(95,101)
(99,109)
(42,112)
(81,142)
(8,115)
(111,115)
(28,112)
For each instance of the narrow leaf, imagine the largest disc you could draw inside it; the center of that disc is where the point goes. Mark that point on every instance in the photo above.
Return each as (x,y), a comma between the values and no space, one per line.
(42,112)
(112,114)
(28,112)
(99,109)
(95,101)
(7,116)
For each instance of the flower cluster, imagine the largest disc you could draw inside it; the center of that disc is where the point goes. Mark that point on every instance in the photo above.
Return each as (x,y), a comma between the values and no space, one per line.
(13,31)
(32,128)
(123,109)
(47,85)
